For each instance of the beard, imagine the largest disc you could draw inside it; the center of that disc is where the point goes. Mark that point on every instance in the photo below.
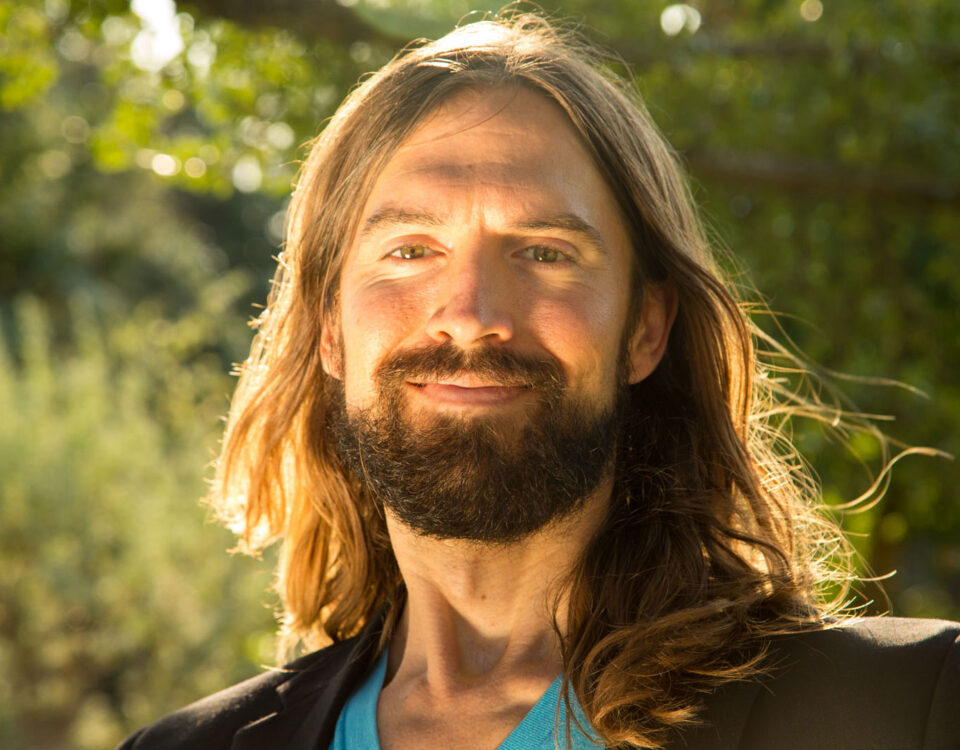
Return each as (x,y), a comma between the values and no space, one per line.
(484,478)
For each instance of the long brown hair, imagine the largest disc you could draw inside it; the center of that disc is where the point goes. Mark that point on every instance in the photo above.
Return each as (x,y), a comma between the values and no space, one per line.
(713,540)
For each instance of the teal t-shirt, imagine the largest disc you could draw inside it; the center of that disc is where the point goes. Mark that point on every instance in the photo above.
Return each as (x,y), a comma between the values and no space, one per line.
(540,729)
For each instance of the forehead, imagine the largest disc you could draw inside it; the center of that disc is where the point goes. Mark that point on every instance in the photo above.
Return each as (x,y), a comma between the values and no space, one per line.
(509,148)
(505,129)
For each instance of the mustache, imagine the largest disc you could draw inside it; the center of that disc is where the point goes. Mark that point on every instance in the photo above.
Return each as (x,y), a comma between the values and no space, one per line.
(504,366)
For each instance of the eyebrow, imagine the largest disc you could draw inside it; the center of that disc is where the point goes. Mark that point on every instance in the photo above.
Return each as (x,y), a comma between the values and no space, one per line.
(570,223)
(567,222)
(390,216)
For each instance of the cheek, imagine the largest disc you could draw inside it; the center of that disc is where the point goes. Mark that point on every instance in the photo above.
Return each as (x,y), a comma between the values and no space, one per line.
(583,330)
(376,320)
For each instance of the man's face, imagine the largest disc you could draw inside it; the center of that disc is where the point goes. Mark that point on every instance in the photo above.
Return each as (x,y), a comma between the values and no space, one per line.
(484,296)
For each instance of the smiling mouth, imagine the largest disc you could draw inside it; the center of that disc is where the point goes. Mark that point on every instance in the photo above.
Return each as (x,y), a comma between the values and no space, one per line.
(472,394)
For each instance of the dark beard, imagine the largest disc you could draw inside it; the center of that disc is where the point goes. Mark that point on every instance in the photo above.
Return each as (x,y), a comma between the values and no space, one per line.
(479,478)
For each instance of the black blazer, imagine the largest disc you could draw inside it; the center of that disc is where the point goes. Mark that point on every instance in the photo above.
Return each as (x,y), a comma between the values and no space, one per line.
(877,684)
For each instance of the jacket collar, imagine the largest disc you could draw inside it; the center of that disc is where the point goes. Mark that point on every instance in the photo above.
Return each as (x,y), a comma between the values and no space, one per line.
(311,700)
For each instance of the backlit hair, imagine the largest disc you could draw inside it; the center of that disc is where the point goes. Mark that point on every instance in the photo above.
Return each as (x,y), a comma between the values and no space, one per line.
(713,540)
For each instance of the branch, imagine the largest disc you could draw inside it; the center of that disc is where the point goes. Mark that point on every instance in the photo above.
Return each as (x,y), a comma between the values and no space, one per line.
(771,170)
(308,19)
(786,49)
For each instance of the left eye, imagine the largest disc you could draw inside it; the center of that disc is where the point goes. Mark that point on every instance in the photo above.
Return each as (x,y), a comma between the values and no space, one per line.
(410,252)
(544,254)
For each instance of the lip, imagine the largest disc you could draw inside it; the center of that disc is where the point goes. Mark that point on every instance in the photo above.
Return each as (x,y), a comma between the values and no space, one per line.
(463,380)
(457,393)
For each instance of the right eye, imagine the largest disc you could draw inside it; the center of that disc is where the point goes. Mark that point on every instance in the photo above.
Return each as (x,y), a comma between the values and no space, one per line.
(410,252)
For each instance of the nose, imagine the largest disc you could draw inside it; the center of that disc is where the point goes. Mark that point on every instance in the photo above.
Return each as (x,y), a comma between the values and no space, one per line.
(472,305)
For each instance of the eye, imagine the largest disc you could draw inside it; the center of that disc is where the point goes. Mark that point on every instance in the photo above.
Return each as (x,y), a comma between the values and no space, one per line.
(545,254)
(410,252)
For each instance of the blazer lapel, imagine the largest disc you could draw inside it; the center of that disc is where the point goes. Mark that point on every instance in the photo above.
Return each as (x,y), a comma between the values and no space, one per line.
(310,702)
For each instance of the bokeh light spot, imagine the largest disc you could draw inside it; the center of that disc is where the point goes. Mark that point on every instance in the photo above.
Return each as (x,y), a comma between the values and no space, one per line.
(201,54)
(679,16)
(54,164)
(275,226)
(165,165)
(56,10)
(811,10)
(74,46)
(194,167)
(159,41)
(782,225)
(173,100)
(361,52)
(247,174)
(75,129)
(893,528)
(280,135)
(116,30)
(209,153)
(144,157)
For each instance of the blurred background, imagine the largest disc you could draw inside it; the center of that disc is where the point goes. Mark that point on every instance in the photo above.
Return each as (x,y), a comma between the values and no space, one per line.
(146,152)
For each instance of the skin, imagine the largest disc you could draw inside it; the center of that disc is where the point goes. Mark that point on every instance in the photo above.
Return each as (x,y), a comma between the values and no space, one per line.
(489,226)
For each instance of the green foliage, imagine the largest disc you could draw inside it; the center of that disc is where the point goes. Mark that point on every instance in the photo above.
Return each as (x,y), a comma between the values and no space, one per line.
(141,202)
(27,64)
(415,19)
(110,580)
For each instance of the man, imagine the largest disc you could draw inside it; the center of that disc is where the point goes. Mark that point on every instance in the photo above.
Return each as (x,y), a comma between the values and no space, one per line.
(504,413)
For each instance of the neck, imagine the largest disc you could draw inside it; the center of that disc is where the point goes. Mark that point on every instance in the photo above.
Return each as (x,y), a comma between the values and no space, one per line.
(493,611)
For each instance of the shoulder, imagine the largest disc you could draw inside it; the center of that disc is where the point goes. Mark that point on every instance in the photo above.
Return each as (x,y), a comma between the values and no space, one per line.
(868,652)
(212,722)
(882,632)
(893,681)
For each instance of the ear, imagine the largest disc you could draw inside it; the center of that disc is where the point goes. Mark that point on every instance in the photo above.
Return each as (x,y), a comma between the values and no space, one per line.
(331,354)
(649,340)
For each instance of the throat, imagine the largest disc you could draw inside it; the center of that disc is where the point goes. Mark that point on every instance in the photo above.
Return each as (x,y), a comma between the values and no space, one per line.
(416,711)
